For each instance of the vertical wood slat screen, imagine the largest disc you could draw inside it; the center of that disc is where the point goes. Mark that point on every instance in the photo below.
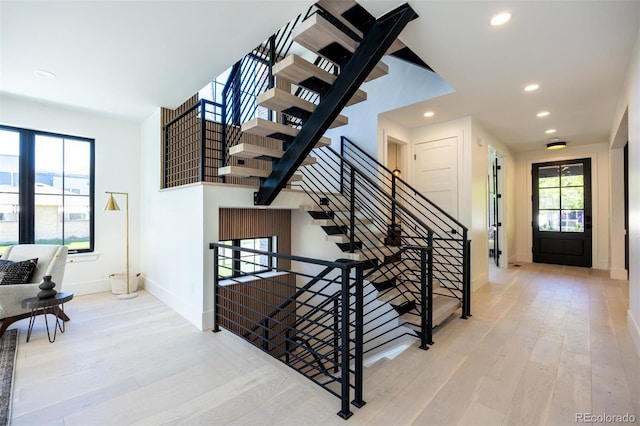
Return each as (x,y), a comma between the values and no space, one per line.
(181,154)
(245,304)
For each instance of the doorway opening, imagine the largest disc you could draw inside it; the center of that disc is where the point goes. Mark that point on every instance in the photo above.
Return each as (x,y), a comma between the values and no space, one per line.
(562,212)
(494,221)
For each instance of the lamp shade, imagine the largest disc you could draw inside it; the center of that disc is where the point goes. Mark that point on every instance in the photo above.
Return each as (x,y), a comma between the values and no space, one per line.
(111,204)
(556,145)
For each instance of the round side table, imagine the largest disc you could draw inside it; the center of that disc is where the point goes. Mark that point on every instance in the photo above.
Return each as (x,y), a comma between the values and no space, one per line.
(53,306)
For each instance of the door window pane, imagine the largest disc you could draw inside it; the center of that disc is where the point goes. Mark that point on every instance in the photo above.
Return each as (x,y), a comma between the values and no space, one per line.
(572,175)
(573,198)
(549,220)
(572,221)
(549,198)
(549,177)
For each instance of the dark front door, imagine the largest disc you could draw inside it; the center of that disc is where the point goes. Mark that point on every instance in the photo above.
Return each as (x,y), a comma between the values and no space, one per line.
(562,212)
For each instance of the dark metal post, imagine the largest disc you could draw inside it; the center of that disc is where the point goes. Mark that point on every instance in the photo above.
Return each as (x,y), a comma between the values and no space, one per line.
(336,334)
(265,334)
(393,202)
(424,321)
(272,61)
(165,169)
(430,288)
(203,138)
(352,209)
(342,141)
(359,324)
(344,352)
(466,276)
(287,346)
(216,290)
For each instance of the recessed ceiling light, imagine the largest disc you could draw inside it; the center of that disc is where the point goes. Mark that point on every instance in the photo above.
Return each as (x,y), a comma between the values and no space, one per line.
(500,19)
(45,74)
(550,131)
(429,114)
(543,114)
(531,87)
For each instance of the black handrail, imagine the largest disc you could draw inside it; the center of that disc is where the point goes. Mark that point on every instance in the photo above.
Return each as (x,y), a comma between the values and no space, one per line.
(294,296)
(325,331)
(417,193)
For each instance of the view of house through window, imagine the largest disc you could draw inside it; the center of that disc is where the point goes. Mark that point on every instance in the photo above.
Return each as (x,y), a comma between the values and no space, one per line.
(233,264)
(46,189)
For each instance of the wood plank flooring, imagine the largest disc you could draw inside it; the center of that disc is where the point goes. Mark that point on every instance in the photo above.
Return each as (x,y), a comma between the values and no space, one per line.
(545,342)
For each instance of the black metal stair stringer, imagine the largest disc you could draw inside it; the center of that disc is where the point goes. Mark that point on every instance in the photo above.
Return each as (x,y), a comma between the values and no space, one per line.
(373,47)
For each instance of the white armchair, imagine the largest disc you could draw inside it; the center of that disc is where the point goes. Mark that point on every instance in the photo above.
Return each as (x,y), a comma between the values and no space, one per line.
(52,260)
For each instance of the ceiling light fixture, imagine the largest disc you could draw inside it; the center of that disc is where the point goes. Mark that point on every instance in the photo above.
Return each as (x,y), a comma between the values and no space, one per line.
(556,145)
(531,87)
(500,19)
(45,74)
(543,114)
(429,114)
(550,131)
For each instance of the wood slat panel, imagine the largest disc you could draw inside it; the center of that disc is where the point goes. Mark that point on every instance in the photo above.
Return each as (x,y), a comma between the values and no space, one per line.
(250,302)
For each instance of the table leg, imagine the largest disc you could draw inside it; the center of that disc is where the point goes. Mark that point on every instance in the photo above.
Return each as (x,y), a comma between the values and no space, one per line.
(32,320)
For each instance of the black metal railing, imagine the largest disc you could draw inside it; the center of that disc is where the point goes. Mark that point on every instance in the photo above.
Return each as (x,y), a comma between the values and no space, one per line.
(251,76)
(451,243)
(191,145)
(315,328)
(368,224)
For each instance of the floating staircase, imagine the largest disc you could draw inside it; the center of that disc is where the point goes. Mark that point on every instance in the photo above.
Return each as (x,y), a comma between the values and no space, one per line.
(370,245)
(396,295)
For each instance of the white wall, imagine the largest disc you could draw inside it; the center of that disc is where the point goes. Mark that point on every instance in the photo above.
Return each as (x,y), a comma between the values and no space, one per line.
(363,117)
(630,104)
(472,188)
(178,225)
(117,149)
(507,203)
(599,155)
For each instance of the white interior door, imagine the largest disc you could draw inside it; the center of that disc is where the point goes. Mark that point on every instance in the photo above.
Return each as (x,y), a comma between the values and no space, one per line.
(436,172)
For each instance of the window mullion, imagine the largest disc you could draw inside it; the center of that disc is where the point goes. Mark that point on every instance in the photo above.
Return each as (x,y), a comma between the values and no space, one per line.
(26,218)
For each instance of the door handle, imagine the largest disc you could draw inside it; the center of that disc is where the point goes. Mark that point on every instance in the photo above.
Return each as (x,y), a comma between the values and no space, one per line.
(587,222)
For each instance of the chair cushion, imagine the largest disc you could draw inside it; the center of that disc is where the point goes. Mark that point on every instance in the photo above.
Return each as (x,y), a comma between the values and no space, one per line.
(17,272)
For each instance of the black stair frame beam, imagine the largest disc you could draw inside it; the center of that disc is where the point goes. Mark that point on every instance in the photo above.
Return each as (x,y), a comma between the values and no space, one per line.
(373,47)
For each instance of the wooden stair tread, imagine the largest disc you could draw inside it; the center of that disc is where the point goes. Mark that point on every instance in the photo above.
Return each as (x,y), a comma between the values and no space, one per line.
(271,129)
(390,296)
(443,308)
(240,171)
(316,33)
(360,236)
(317,208)
(369,253)
(247,150)
(298,70)
(340,221)
(338,7)
(280,100)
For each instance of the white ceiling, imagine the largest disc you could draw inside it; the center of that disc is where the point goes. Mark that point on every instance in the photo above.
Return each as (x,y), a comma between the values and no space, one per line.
(129,57)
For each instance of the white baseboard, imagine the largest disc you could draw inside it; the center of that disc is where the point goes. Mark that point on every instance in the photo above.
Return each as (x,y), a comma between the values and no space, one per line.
(634,329)
(190,313)
(89,287)
(479,280)
(618,274)
(207,320)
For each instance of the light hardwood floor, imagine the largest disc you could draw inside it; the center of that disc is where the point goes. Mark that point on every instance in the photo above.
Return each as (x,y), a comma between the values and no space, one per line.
(544,343)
